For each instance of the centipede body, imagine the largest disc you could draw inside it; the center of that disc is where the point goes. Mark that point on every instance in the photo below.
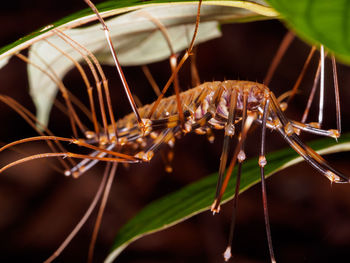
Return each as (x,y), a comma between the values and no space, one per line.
(181,162)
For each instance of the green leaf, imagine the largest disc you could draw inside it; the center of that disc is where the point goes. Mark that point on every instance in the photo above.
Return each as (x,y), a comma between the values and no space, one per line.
(197,197)
(136,38)
(319,22)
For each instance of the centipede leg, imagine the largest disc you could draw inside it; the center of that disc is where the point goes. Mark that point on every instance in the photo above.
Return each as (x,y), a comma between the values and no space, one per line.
(312,93)
(182,61)
(101,211)
(288,38)
(83,220)
(73,116)
(195,79)
(301,74)
(86,81)
(173,65)
(241,157)
(336,92)
(117,64)
(216,204)
(321,103)
(262,163)
(229,132)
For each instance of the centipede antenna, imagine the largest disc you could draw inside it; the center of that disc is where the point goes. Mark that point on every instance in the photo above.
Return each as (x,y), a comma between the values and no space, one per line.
(117,64)
(262,163)
(229,132)
(336,92)
(85,217)
(288,38)
(321,104)
(151,80)
(66,155)
(73,141)
(241,157)
(32,121)
(301,74)
(87,84)
(101,211)
(73,117)
(312,93)
(87,164)
(182,61)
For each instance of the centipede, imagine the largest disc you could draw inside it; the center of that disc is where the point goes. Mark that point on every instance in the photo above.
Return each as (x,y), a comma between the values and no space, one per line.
(228,110)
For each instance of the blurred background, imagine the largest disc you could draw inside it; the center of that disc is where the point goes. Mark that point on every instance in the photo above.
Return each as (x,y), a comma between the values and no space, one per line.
(39,207)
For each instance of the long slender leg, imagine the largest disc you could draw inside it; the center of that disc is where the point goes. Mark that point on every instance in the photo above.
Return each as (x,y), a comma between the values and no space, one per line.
(241,157)
(262,163)
(194,71)
(229,132)
(151,80)
(83,220)
(215,207)
(321,103)
(288,38)
(285,128)
(73,117)
(337,97)
(173,65)
(182,61)
(104,82)
(100,212)
(79,49)
(312,93)
(32,121)
(302,73)
(87,84)
(117,64)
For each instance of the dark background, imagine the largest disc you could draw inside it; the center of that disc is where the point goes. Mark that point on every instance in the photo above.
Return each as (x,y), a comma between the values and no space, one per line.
(39,207)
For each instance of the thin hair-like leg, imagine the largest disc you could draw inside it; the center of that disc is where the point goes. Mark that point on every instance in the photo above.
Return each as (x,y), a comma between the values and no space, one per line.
(82,221)
(336,92)
(288,38)
(173,65)
(312,93)
(262,163)
(241,157)
(229,132)
(321,103)
(100,212)
(182,61)
(117,64)
(215,207)
(301,75)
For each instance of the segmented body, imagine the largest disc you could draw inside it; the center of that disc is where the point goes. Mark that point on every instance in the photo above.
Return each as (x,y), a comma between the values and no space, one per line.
(210,99)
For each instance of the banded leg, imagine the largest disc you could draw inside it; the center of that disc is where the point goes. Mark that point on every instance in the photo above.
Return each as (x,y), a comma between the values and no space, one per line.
(285,129)
(215,207)
(241,157)
(262,163)
(229,132)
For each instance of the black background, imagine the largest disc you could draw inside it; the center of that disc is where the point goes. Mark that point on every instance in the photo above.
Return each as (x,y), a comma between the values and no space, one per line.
(39,207)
